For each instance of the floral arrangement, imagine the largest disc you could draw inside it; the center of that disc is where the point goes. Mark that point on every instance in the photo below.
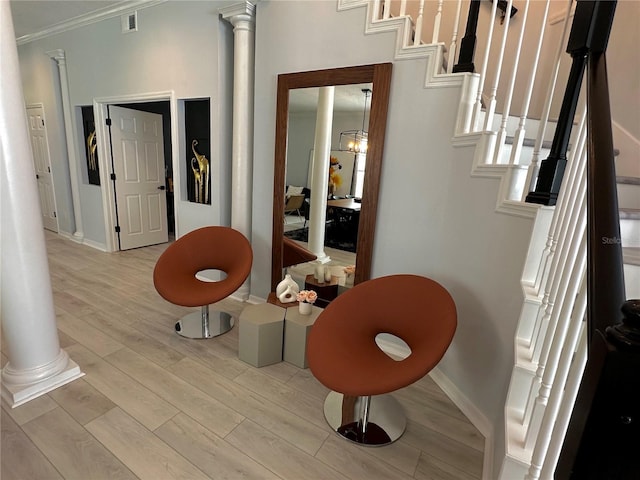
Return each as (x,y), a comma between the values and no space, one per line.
(334,177)
(307,296)
(350,269)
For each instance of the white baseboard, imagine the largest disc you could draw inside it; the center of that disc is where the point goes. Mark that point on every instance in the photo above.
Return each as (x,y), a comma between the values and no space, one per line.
(85,241)
(98,246)
(253,299)
(475,416)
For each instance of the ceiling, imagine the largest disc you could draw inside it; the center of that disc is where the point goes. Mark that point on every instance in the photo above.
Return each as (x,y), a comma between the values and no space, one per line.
(31,16)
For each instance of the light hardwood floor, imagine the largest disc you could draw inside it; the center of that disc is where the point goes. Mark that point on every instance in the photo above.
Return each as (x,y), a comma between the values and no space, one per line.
(157,406)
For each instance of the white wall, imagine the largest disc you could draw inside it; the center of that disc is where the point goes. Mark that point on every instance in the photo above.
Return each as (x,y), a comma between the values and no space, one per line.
(433,218)
(191,57)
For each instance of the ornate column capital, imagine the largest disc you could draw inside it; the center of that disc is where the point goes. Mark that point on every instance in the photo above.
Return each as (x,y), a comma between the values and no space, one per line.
(58,55)
(239,13)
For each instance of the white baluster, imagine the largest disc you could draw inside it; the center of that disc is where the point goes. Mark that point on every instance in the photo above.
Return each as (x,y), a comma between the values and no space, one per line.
(575,329)
(502,132)
(454,39)
(518,140)
(436,23)
(375,11)
(386,12)
(491,107)
(532,174)
(570,197)
(557,335)
(417,39)
(566,408)
(403,8)
(483,73)
(564,230)
(566,199)
(570,239)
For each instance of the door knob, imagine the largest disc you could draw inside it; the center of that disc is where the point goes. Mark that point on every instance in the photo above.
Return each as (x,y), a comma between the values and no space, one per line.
(162,187)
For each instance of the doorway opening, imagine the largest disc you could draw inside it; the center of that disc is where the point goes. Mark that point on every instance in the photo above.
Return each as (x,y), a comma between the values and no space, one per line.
(138,144)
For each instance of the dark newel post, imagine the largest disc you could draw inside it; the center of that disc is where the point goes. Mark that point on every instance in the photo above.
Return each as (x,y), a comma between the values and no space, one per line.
(552,168)
(468,43)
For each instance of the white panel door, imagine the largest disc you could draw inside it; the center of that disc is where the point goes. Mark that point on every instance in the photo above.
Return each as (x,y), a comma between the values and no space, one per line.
(42,162)
(138,163)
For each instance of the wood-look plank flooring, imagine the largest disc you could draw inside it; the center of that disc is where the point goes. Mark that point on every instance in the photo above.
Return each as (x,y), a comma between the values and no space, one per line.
(153,405)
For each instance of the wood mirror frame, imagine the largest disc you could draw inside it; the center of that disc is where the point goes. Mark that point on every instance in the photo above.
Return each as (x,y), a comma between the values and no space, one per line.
(378,74)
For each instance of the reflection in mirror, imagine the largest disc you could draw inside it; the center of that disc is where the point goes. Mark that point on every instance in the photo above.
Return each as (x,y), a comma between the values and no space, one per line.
(340,210)
(338,184)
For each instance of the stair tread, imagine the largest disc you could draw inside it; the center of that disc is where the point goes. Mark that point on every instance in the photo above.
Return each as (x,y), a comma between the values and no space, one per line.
(528,142)
(626,180)
(629,213)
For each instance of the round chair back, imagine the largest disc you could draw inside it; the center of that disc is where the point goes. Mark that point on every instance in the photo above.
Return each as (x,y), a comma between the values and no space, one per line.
(342,351)
(216,248)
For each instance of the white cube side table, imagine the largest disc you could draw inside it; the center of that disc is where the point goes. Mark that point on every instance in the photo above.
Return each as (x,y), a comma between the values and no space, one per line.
(296,330)
(260,334)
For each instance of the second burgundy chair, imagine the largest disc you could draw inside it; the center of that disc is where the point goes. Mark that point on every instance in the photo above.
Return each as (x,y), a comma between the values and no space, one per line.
(343,354)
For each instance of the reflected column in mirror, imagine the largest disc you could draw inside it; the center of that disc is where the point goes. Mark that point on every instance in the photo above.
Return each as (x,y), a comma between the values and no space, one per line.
(292,161)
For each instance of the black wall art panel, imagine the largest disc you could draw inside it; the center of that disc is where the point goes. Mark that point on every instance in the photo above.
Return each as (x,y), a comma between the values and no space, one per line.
(90,145)
(198,150)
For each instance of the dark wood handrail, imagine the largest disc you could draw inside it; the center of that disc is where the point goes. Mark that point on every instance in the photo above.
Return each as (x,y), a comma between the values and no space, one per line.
(605,275)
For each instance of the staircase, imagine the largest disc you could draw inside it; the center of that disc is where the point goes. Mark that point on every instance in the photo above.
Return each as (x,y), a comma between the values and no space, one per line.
(550,345)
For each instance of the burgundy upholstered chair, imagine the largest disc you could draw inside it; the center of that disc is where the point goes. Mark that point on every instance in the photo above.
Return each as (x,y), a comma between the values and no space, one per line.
(174,276)
(343,354)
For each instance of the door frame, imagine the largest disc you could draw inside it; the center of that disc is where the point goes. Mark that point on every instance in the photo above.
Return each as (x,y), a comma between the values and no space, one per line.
(51,169)
(104,158)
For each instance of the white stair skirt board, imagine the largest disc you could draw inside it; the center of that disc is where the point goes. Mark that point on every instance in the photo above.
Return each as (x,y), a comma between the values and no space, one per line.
(16,395)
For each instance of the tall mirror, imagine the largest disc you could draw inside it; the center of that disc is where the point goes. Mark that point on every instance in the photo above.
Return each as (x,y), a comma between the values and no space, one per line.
(355,196)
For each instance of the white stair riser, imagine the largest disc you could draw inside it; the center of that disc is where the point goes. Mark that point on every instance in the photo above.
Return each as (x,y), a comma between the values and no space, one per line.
(525,157)
(632,281)
(512,468)
(628,196)
(630,232)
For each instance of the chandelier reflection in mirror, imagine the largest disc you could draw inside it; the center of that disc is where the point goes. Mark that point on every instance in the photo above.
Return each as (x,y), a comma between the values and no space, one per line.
(356,140)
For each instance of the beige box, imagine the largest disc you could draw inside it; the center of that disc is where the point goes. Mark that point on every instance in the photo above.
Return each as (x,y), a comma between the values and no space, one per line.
(260,334)
(296,330)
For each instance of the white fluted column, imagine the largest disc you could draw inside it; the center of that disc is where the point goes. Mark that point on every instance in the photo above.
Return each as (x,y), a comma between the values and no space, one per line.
(36,363)
(320,173)
(61,61)
(242,17)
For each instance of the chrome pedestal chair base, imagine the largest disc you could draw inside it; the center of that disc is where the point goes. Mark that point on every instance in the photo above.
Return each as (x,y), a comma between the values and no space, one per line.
(203,324)
(372,421)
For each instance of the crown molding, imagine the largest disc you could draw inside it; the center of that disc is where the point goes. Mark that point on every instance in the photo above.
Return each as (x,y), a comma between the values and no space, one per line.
(121,8)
